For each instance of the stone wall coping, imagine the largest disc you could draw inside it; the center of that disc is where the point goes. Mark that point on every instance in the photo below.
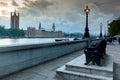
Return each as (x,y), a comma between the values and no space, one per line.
(35,46)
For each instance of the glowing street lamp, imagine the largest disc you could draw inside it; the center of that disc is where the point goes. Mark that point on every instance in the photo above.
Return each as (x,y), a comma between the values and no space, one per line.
(87,10)
(86,34)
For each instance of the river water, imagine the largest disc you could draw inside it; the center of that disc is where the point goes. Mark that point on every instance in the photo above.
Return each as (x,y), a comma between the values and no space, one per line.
(26,41)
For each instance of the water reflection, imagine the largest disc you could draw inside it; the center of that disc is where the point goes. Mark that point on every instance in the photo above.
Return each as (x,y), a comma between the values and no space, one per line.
(24,41)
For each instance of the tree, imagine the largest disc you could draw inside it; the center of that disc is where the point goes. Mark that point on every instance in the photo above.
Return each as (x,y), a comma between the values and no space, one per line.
(3,31)
(11,33)
(73,35)
(15,33)
(114,28)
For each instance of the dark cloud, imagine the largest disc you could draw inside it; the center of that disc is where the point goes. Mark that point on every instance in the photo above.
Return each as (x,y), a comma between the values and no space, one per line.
(71,12)
(38,4)
(64,6)
(107,6)
(14,3)
(67,12)
(3,4)
(4,12)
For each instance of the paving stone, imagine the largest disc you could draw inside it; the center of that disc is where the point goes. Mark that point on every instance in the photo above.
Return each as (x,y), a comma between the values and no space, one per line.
(46,71)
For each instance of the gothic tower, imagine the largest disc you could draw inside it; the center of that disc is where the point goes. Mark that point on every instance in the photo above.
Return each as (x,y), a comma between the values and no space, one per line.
(53,27)
(39,26)
(14,20)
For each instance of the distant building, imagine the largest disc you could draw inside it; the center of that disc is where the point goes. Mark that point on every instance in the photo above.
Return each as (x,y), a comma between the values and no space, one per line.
(41,32)
(14,21)
(53,27)
(39,26)
(30,31)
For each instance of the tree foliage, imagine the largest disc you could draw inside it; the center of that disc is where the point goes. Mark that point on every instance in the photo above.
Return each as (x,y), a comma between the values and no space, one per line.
(11,33)
(2,31)
(73,35)
(15,33)
(114,28)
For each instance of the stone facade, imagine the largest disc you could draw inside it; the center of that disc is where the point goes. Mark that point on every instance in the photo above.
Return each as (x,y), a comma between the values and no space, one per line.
(32,32)
(14,20)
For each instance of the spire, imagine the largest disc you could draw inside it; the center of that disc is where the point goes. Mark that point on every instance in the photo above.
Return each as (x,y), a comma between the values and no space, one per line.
(53,27)
(15,12)
(11,14)
(40,26)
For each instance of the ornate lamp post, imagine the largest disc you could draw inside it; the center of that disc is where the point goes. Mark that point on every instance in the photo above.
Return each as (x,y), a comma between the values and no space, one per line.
(101,30)
(86,34)
(108,28)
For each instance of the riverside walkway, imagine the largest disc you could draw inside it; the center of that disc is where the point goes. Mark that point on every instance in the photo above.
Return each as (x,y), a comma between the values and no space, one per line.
(47,71)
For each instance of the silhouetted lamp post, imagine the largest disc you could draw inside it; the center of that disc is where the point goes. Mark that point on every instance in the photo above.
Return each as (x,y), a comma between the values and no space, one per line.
(101,30)
(108,35)
(86,34)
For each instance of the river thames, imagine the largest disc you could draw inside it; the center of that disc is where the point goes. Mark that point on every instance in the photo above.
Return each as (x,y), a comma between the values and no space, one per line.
(27,41)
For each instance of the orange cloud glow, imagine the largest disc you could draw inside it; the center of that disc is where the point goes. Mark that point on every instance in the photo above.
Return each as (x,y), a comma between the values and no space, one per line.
(6,8)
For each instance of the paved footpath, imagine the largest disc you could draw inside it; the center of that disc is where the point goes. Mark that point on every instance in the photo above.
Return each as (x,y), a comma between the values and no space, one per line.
(114,49)
(47,70)
(44,71)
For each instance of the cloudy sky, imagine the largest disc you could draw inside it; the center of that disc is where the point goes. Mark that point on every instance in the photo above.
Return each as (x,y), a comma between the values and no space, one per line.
(68,15)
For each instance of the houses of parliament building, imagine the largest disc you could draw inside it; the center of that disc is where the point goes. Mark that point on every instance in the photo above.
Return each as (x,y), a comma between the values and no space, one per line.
(31,31)
(14,20)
